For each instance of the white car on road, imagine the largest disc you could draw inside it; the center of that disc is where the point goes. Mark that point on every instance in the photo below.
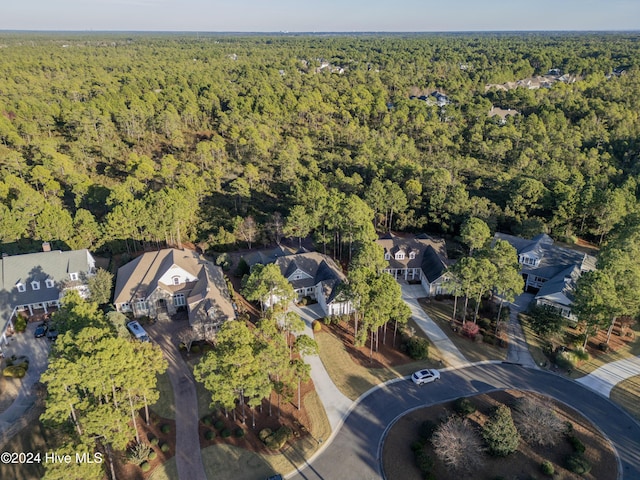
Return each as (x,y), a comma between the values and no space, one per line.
(425,376)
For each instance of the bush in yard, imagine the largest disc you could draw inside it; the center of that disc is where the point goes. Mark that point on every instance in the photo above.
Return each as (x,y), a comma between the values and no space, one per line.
(219,425)
(165,428)
(577,463)
(207,420)
(547,468)
(153,440)
(264,434)
(164,447)
(195,349)
(14,371)
(20,325)
(277,440)
(226,433)
(317,326)
(424,463)
(145,466)
(426,430)
(470,329)
(239,432)
(152,454)
(209,434)
(576,443)
(500,433)
(139,453)
(537,422)
(418,348)
(464,406)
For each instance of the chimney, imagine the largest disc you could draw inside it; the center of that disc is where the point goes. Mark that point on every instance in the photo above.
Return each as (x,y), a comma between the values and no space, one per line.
(46,247)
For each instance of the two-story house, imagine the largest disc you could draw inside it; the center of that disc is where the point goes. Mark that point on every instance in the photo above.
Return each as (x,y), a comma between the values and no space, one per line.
(550,271)
(417,258)
(35,282)
(170,279)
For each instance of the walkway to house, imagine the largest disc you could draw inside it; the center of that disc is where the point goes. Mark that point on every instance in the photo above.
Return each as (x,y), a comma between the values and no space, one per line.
(518,351)
(188,456)
(450,353)
(335,403)
(603,379)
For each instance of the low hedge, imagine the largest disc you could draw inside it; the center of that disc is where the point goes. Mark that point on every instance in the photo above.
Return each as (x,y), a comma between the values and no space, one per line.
(14,371)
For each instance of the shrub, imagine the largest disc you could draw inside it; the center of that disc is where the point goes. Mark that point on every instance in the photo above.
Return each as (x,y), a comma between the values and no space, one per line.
(195,349)
(426,430)
(153,439)
(580,354)
(152,454)
(485,324)
(458,445)
(164,447)
(537,422)
(417,445)
(264,434)
(464,406)
(424,463)
(226,433)
(206,420)
(145,466)
(239,432)
(20,325)
(277,440)
(317,326)
(500,433)
(547,468)
(165,428)
(576,463)
(219,425)
(603,347)
(470,329)
(489,339)
(139,453)
(14,371)
(418,348)
(564,360)
(209,434)
(576,443)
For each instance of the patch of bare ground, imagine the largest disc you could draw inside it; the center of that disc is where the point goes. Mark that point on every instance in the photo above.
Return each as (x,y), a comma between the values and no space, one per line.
(9,388)
(399,461)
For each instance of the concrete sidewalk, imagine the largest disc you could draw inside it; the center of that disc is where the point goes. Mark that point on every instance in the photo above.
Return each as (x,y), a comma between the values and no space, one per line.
(450,353)
(335,403)
(603,379)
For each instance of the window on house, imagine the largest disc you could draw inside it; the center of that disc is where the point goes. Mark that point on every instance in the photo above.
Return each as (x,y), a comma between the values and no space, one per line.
(21,287)
(35,285)
(179,300)
(49,283)
(175,280)
(125,307)
(387,256)
(412,255)
(141,305)
(400,256)
(73,276)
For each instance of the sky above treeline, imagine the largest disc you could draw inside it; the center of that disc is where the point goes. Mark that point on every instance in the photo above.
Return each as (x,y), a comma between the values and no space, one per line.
(319,15)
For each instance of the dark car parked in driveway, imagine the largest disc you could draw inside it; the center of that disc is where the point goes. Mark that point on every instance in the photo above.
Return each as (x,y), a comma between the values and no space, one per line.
(52,334)
(41,330)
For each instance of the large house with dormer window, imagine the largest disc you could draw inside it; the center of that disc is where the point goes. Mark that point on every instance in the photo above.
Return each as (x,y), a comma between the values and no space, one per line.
(34,283)
(550,271)
(170,279)
(311,274)
(417,258)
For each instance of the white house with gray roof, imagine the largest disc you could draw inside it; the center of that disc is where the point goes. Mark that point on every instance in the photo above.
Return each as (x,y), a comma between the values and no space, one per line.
(170,279)
(35,282)
(550,271)
(311,274)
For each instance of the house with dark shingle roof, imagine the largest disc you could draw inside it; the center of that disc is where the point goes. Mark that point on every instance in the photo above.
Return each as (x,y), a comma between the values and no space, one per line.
(413,258)
(35,282)
(550,271)
(311,274)
(169,279)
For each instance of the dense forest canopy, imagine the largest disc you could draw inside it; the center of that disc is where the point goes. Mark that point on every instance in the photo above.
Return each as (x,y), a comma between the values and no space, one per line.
(109,140)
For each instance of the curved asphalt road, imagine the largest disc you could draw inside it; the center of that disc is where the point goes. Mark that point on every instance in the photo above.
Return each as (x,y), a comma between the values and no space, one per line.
(355,450)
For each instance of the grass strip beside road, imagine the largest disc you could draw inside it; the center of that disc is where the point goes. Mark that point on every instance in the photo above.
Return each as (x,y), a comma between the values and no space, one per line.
(165,406)
(627,395)
(353,379)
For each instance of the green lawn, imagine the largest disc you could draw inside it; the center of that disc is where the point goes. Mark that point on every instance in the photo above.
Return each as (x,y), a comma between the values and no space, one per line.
(534,341)
(351,378)
(165,406)
(166,471)
(441,313)
(627,395)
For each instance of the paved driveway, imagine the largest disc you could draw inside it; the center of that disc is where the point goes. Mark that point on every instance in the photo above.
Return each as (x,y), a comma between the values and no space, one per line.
(603,379)
(518,352)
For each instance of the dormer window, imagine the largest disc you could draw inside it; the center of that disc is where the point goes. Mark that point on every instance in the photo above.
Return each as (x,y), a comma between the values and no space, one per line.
(175,280)
(387,256)
(412,255)
(73,276)
(49,283)
(35,285)
(400,255)
(21,287)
